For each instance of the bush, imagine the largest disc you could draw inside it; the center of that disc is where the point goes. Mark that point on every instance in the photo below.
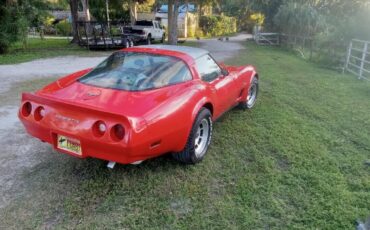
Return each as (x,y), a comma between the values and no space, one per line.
(64,28)
(217,25)
(299,19)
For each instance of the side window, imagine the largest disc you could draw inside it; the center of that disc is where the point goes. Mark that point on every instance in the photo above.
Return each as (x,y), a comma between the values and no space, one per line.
(155,25)
(169,72)
(207,68)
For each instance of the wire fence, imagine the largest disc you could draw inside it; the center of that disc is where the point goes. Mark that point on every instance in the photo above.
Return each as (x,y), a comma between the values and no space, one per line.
(329,53)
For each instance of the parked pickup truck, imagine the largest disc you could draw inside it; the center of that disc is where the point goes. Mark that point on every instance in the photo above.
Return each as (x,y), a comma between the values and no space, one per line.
(146,31)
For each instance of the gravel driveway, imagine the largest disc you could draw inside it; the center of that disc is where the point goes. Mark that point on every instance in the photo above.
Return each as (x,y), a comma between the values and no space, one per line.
(19,152)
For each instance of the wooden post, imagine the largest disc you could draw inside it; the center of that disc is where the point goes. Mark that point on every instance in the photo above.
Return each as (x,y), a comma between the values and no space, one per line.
(349,53)
(311,47)
(102,33)
(94,34)
(87,36)
(363,59)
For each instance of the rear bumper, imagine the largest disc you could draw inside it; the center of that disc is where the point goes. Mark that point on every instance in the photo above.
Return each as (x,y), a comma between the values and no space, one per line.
(91,146)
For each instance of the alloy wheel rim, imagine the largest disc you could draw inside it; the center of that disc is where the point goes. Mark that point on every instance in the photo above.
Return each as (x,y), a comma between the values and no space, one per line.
(252,95)
(202,138)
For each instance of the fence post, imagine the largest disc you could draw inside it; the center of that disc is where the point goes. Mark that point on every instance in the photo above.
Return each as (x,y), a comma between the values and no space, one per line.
(87,36)
(348,56)
(363,59)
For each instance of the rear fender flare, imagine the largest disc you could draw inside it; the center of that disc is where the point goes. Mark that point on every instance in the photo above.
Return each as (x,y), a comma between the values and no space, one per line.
(200,104)
(251,74)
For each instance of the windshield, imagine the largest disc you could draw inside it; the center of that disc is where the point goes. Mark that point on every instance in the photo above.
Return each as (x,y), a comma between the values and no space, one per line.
(134,71)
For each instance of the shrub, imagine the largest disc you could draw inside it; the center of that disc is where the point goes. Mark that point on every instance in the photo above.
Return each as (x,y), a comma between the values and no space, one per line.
(64,28)
(217,25)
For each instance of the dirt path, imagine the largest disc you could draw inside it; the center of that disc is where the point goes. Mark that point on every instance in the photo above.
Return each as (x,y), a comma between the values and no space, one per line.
(52,67)
(19,152)
(223,50)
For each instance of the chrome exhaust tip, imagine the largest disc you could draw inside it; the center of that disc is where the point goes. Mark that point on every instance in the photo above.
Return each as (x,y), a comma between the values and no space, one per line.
(111,164)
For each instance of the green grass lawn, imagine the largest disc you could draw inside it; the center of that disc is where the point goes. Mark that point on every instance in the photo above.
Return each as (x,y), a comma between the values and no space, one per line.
(38,48)
(296,161)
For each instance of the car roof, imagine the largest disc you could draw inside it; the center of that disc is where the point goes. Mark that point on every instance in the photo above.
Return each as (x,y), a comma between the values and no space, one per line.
(191,51)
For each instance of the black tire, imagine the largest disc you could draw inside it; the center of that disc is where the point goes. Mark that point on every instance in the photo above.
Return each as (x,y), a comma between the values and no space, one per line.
(126,43)
(190,154)
(149,40)
(252,95)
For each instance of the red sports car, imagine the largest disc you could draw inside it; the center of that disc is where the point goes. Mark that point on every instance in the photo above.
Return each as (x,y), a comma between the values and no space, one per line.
(139,103)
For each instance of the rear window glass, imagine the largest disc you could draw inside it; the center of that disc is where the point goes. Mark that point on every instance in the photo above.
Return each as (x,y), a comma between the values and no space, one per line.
(144,23)
(133,71)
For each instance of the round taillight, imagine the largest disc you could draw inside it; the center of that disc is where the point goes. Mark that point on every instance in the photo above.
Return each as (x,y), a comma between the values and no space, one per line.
(26,109)
(99,128)
(39,113)
(117,132)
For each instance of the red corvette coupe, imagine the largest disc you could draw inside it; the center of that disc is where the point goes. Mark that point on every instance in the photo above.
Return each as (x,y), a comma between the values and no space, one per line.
(139,103)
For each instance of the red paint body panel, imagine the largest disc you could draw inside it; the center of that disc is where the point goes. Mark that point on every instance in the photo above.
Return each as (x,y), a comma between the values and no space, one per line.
(155,121)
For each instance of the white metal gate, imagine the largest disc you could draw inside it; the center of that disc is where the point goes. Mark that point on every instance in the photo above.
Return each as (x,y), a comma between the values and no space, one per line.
(358,59)
(267,39)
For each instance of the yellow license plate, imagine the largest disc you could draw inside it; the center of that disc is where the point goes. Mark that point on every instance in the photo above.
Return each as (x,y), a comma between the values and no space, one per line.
(69,144)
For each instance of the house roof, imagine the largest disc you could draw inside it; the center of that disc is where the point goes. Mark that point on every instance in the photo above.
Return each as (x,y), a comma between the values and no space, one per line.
(191,51)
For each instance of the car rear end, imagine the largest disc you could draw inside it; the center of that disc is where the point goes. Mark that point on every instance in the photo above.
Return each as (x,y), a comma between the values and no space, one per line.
(79,130)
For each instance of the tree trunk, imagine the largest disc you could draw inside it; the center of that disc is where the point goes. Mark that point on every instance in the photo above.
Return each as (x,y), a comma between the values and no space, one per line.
(186,19)
(107,11)
(173,13)
(200,7)
(86,10)
(74,13)
(133,11)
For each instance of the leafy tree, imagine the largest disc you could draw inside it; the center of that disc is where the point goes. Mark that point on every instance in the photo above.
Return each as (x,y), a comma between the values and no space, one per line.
(16,17)
(118,9)
(299,19)
(8,26)
(269,8)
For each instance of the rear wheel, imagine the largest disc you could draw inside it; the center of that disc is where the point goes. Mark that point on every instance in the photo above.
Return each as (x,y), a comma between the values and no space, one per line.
(126,43)
(149,40)
(252,95)
(198,140)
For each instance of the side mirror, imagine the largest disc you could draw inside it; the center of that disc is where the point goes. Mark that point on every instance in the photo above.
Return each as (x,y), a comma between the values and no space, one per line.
(224,72)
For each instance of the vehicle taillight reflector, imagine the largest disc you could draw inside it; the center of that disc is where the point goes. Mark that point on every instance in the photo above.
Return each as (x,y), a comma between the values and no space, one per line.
(26,109)
(39,113)
(99,128)
(117,132)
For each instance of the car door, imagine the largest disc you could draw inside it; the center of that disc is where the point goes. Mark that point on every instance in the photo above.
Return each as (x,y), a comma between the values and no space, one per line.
(156,30)
(221,86)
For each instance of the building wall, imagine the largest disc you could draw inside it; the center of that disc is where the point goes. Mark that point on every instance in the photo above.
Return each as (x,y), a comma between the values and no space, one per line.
(186,22)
